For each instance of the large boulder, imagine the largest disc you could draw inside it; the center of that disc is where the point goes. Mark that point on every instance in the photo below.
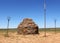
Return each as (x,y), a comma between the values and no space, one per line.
(27,26)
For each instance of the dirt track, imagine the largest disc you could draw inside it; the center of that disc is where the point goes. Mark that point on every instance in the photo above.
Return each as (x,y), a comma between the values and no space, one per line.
(14,38)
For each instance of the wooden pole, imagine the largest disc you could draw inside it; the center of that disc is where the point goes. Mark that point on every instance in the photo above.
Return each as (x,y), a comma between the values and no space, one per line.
(8,26)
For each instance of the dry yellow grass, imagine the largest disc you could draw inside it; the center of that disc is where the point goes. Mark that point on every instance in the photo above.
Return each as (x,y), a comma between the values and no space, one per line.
(14,38)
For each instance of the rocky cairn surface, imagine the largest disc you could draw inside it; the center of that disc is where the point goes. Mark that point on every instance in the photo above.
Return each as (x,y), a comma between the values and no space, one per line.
(27,26)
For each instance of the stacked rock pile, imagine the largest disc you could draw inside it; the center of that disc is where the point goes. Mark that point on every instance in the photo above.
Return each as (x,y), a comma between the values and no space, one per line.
(27,26)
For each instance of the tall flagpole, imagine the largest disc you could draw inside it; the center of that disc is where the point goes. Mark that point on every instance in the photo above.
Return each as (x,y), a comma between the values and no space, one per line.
(45,17)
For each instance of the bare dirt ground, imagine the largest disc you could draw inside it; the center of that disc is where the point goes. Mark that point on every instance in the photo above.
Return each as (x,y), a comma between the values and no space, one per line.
(14,38)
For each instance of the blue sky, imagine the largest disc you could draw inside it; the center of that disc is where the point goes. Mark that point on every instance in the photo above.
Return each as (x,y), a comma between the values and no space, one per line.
(20,9)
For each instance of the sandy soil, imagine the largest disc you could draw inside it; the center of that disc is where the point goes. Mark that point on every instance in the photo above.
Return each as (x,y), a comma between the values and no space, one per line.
(14,38)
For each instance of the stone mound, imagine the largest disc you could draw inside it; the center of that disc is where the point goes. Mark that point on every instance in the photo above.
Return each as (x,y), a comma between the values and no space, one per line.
(27,26)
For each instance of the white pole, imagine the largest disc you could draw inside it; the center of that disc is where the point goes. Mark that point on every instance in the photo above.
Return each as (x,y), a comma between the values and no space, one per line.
(55,26)
(45,17)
